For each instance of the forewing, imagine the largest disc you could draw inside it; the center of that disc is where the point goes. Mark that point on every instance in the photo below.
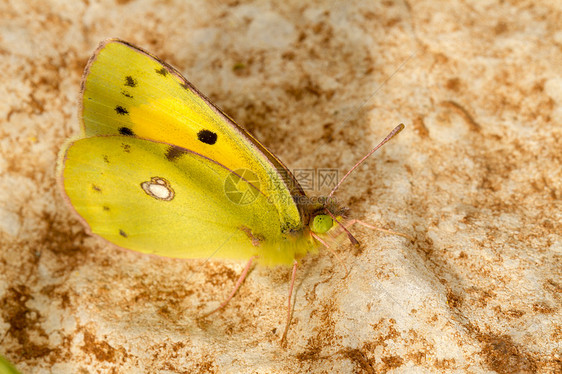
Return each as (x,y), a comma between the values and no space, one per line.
(127,91)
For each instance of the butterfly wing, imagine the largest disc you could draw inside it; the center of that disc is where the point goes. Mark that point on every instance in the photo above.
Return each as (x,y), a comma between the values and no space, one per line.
(129,192)
(127,91)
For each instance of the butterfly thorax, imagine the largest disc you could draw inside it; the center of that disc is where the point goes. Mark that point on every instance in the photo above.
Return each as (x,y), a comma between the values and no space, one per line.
(319,213)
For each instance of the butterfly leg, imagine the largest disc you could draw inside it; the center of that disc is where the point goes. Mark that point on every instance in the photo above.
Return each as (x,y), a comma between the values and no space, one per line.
(289,311)
(238,284)
(325,244)
(356,221)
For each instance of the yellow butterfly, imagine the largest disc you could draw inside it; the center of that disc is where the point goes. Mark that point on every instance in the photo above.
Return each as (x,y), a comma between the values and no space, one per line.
(162,170)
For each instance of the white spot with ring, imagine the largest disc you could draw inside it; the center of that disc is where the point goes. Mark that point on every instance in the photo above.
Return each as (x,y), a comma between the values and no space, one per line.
(159,188)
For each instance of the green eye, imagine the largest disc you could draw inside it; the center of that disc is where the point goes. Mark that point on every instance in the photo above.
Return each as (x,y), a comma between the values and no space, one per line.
(321,223)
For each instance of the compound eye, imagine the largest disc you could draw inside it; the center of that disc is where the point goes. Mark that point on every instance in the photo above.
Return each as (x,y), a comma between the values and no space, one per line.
(321,224)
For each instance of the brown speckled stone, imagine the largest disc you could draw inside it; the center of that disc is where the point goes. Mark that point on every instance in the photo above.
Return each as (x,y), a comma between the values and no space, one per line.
(476,178)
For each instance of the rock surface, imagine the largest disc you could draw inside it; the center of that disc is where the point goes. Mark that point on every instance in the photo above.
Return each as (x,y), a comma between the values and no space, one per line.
(476,179)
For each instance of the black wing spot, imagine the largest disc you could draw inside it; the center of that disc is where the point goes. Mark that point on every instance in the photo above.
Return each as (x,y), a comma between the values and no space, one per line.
(126,147)
(207,137)
(106,159)
(120,110)
(162,71)
(130,81)
(126,131)
(122,233)
(106,208)
(126,94)
(173,153)
(185,85)
(96,188)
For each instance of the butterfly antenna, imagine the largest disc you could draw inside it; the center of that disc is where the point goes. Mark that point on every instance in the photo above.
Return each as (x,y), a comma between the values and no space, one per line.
(396,130)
